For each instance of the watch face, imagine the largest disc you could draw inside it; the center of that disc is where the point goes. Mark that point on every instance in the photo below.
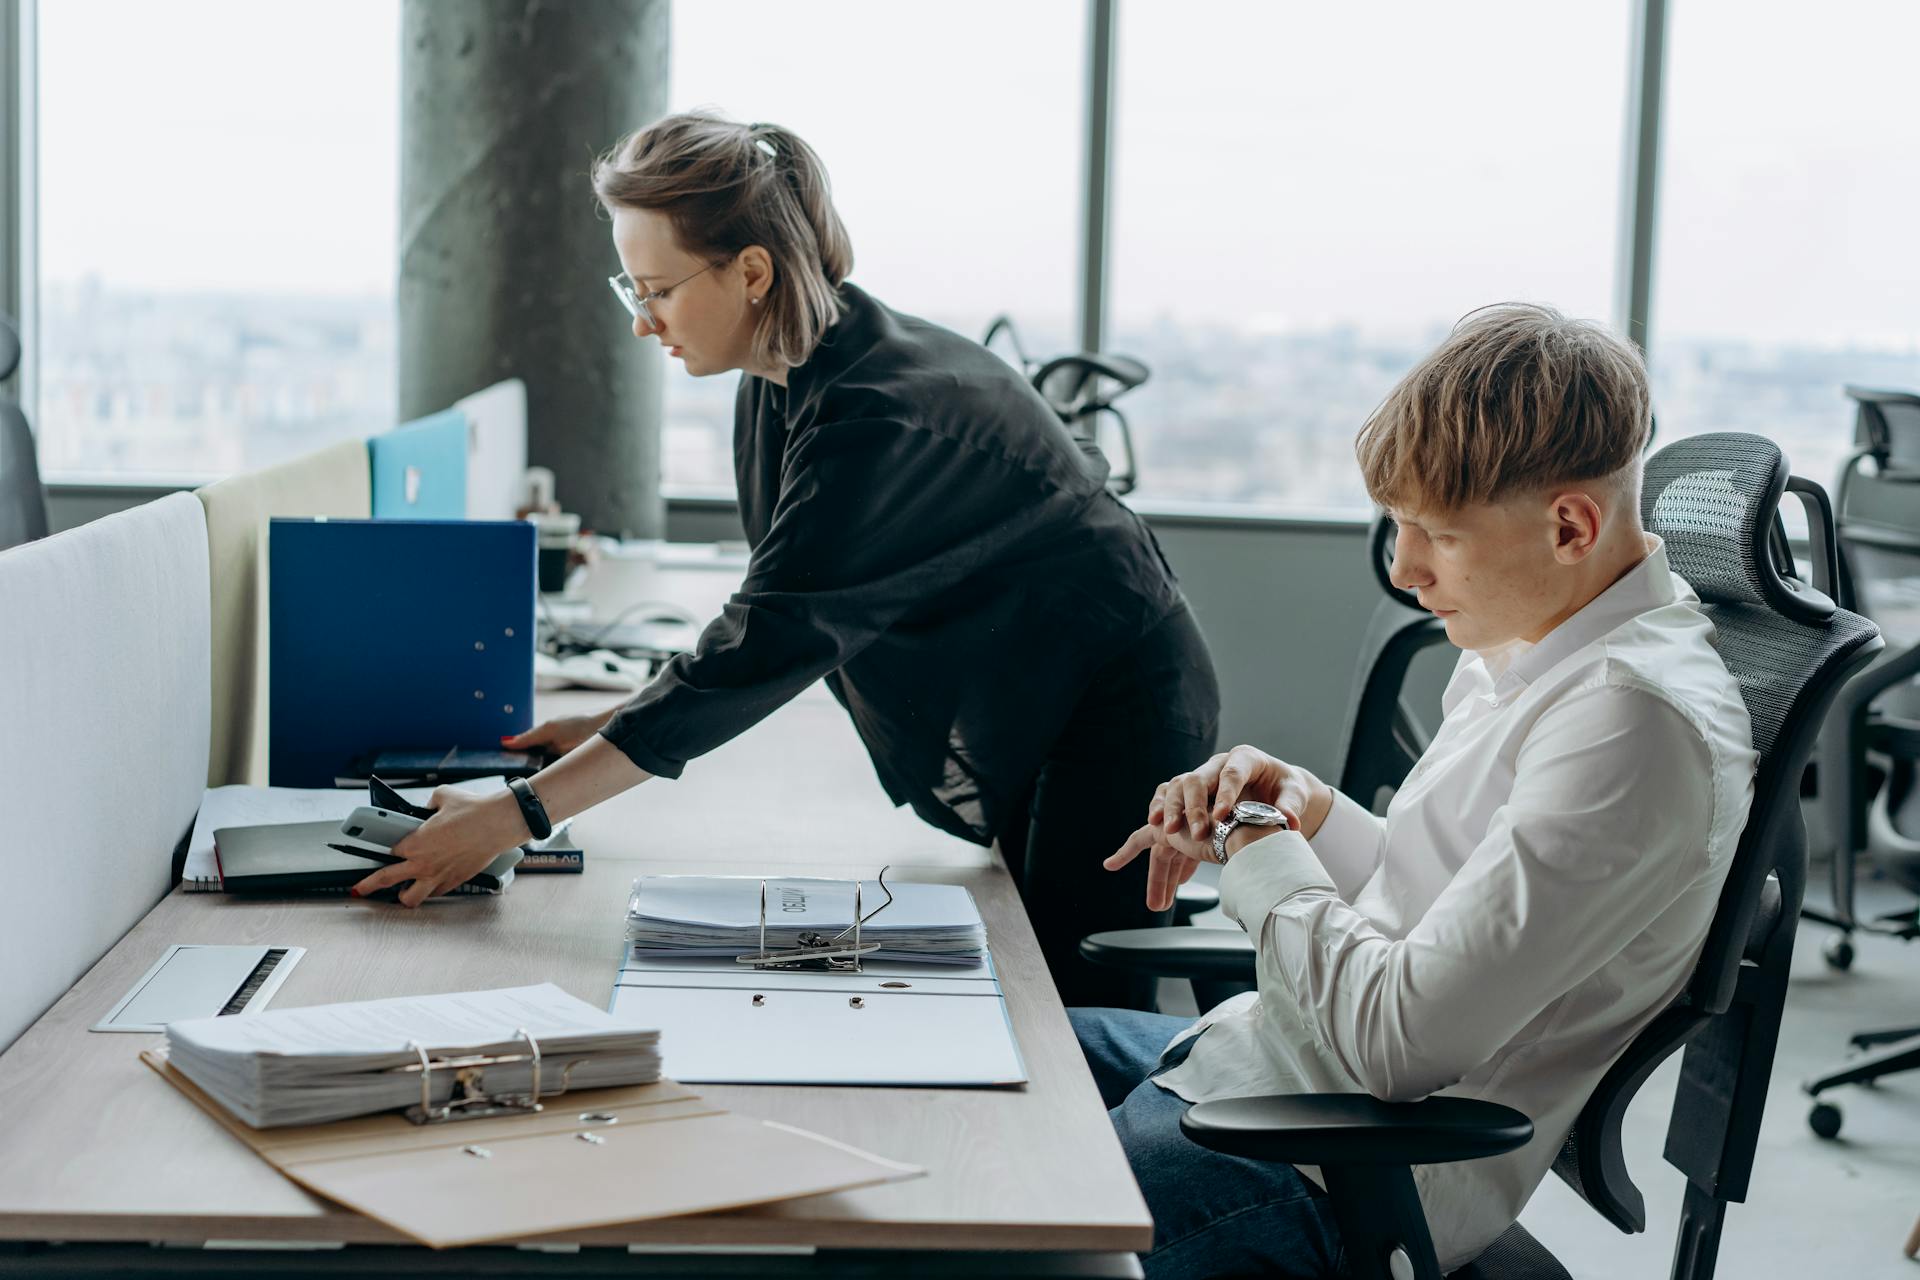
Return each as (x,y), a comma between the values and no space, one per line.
(1257,814)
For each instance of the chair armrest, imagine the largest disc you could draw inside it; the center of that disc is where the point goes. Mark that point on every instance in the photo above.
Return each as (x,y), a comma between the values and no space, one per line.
(1224,955)
(1352,1128)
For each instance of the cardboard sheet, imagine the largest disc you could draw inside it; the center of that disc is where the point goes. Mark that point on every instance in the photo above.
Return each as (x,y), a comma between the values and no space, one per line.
(666,1152)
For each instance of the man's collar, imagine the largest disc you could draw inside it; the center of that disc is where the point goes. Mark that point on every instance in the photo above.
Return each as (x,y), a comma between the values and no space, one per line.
(1645,587)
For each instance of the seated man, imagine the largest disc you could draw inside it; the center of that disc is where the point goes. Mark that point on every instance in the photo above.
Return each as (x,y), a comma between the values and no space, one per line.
(1543,881)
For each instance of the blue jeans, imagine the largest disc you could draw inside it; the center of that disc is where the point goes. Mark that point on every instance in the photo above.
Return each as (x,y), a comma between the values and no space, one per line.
(1213,1214)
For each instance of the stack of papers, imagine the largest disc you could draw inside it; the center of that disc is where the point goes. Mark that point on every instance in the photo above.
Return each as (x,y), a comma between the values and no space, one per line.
(328,1062)
(720,916)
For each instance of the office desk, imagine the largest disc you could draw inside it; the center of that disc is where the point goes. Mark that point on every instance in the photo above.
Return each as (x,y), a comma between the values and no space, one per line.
(95,1147)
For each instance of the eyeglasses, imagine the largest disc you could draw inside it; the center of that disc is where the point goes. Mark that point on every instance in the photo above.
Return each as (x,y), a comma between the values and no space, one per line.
(635,302)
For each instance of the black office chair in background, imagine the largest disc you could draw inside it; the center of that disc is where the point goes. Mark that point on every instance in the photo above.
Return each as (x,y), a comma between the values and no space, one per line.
(22,496)
(1081,388)
(1870,756)
(1385,733)
(23,501)
(1714,499)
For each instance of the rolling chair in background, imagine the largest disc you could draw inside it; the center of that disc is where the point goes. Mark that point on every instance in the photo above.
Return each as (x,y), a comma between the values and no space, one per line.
(23,501)
(1714,499)
(1384,734)
(1870,756)
(1081,389)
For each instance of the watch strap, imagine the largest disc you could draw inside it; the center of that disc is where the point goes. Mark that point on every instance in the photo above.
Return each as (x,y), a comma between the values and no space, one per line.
(1221,830)
(531,809)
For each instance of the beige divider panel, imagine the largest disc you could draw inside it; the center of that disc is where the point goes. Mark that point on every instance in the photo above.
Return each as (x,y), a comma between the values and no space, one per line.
(496,449)
(104,692)
(335,482)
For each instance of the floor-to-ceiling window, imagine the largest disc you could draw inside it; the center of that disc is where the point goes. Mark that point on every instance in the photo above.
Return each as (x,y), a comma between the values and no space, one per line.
(216,232)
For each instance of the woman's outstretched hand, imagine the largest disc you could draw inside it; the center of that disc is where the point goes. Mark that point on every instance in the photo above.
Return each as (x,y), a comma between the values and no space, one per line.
(465,833)
(559,736)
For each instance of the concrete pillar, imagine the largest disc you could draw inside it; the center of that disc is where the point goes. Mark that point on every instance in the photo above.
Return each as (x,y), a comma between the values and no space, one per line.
(503,252)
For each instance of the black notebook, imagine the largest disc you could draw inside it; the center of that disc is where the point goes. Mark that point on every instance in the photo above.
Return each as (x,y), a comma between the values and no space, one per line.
(436,767)
(295,857)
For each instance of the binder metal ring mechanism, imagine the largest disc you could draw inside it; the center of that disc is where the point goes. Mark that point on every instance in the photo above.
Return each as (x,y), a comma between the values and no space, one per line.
(818,953)
(469,1099)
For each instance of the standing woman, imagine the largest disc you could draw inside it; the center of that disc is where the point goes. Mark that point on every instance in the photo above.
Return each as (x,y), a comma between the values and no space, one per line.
(927,538)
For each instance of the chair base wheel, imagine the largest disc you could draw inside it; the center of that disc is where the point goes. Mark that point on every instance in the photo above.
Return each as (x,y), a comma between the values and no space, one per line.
(1824,1119)
(1839,954)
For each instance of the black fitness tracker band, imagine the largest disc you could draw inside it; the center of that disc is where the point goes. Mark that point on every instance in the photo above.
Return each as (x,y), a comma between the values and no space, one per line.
(530,808)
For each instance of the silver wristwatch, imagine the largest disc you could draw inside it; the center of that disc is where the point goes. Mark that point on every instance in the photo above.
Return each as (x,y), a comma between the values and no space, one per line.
(1248,813)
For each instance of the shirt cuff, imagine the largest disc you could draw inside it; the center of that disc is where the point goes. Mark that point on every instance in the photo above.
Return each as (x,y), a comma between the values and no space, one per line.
(1266,873)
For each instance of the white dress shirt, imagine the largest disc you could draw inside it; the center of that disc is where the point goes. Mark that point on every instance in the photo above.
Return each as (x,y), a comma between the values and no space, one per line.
(1539,890)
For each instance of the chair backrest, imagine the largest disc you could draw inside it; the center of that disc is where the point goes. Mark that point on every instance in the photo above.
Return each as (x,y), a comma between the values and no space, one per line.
(1877,514)
(9,349)
(1877,511)
(1887,426)
(1382,737)
(23,500)
(1713,499)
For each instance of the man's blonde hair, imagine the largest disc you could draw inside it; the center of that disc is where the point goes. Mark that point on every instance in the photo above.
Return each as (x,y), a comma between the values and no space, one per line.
(1517,398)
(725,186)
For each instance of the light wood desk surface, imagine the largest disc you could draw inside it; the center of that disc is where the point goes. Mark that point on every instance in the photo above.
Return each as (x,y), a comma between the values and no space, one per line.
(94,1146)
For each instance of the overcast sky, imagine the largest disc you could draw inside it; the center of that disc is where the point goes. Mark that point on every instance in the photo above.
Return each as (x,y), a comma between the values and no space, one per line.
(1387,164)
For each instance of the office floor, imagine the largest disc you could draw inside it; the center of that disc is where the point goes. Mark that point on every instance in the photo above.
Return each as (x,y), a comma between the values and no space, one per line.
(1817,1208)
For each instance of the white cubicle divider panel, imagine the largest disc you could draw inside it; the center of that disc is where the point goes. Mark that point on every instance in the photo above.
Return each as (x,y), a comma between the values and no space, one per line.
(104,673)
(496,449)
(335,481)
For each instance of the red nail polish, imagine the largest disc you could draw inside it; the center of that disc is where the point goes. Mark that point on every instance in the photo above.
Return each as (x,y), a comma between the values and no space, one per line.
(353,893)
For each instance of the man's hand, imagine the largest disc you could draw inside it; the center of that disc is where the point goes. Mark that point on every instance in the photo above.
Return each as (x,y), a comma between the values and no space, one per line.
(1191,803)
(1175,857)
(1178,834)
(465,833)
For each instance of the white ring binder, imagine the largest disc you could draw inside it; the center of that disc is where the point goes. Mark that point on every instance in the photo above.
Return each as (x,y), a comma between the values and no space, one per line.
(817,952)
(469,1099)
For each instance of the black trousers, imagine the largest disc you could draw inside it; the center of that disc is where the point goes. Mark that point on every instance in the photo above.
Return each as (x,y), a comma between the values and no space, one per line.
(1149,714)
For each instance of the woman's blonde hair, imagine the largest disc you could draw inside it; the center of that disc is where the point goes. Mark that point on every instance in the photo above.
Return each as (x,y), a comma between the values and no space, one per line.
(1517,398)
(725,186)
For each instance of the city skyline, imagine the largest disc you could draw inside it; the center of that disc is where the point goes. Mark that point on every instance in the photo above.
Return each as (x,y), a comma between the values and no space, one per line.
(1250,419)
(1287,237)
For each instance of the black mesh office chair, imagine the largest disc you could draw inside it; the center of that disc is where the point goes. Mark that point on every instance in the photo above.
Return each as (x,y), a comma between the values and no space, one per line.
(1870,755)
(1384,734)
(23,502)
(1714,500)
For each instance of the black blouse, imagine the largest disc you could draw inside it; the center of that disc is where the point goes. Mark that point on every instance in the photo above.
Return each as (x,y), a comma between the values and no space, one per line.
(929,539)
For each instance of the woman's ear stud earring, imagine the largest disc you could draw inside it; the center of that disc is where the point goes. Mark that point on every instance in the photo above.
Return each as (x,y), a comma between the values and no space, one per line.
(755,301)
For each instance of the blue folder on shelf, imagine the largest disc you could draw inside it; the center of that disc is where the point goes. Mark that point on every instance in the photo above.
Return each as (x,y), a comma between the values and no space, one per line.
(394,634)
(420,469)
